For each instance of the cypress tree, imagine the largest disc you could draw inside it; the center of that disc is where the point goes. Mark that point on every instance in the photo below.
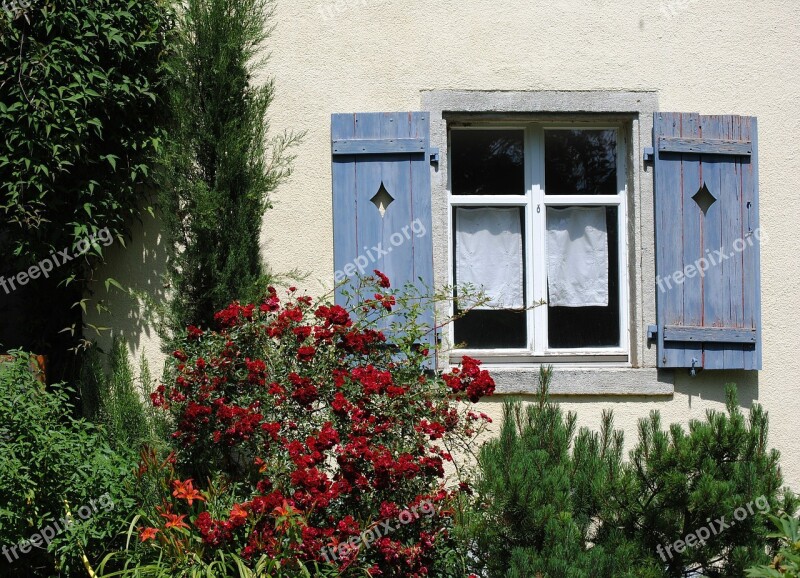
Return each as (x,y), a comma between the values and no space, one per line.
(221,168)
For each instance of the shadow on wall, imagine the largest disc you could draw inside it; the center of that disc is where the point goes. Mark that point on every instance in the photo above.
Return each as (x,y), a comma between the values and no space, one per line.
(710,386)
(140,267)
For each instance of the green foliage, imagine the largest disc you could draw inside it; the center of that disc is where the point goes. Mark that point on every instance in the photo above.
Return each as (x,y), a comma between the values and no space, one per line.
(81,101)
(79,106)
(678,480)
(52,464)
(554,504)
(221,167)
(225,565)
(112,398)
(541,497)
(786,563)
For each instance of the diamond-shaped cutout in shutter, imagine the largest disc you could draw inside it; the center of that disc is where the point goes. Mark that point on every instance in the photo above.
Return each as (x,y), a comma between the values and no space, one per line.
(704,198)
(382,199)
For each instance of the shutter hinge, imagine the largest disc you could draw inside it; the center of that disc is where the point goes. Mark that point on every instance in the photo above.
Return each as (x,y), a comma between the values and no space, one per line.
(693,370)
(652,332)
(434,153)
(649,155)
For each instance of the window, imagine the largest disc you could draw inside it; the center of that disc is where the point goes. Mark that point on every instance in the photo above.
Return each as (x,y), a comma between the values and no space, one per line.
(567,149)
(538,214)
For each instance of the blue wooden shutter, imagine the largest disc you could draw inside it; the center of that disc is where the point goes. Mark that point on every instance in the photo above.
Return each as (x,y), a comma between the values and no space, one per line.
(383,154)
(706,203)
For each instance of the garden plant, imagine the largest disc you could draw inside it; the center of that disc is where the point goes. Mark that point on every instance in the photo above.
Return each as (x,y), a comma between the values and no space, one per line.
(307,441)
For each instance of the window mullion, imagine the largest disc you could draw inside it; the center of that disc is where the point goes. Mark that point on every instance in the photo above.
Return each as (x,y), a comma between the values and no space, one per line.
(530,262)
(538,239)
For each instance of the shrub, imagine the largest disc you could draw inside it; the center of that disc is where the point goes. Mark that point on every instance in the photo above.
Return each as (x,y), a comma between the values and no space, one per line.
(541,493)
(314,421)
(51,467)
(680,481)
(554,504)
(111,397)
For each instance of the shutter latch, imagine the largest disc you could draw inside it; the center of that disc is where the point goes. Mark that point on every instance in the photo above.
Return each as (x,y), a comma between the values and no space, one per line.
(693,370)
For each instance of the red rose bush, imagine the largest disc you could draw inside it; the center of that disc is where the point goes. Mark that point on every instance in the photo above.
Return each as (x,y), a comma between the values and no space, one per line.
(302,429)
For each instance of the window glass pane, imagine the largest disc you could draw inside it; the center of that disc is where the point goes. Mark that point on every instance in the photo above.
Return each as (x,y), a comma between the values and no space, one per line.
(580,162)
(576,316)
(487,162)
(489,253)
(497,329)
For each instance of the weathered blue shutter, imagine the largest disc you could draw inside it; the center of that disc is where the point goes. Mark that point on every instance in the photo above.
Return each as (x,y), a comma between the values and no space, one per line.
(382,199)
(706,203)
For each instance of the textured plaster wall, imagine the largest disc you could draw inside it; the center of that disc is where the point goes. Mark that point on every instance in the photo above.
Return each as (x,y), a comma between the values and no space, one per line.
(711,56)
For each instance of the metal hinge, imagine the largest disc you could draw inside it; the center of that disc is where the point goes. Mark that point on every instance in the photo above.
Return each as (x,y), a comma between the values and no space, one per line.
(434,153)
(649,155)
(652,331)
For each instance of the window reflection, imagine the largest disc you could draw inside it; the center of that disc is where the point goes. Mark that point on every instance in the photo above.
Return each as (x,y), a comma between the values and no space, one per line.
(487,162)
(580,162)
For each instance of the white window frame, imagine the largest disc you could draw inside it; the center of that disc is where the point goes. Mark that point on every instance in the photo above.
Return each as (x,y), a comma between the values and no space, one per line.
(577,374)
(535,242)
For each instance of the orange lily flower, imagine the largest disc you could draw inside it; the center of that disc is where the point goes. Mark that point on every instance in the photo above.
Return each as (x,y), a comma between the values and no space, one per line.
(238,512)
(186,491)
(174,520)
(147,534)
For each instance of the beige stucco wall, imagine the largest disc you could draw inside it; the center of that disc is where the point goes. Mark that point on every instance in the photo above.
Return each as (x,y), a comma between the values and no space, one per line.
(710,56)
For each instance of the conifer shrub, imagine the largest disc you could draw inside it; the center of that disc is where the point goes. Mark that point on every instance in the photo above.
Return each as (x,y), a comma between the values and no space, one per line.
(552,503)
(114,398)
(719,475)
(541,495)
(220,163)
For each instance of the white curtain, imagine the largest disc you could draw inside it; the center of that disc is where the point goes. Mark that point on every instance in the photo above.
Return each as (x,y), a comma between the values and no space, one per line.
(489,254)
(577,257)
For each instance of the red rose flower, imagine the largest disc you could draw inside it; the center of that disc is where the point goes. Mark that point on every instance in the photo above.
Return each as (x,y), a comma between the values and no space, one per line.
(383,280)
(306,353)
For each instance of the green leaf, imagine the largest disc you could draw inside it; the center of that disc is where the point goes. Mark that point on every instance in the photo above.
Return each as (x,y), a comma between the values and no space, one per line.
(112,160)
(115,283)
